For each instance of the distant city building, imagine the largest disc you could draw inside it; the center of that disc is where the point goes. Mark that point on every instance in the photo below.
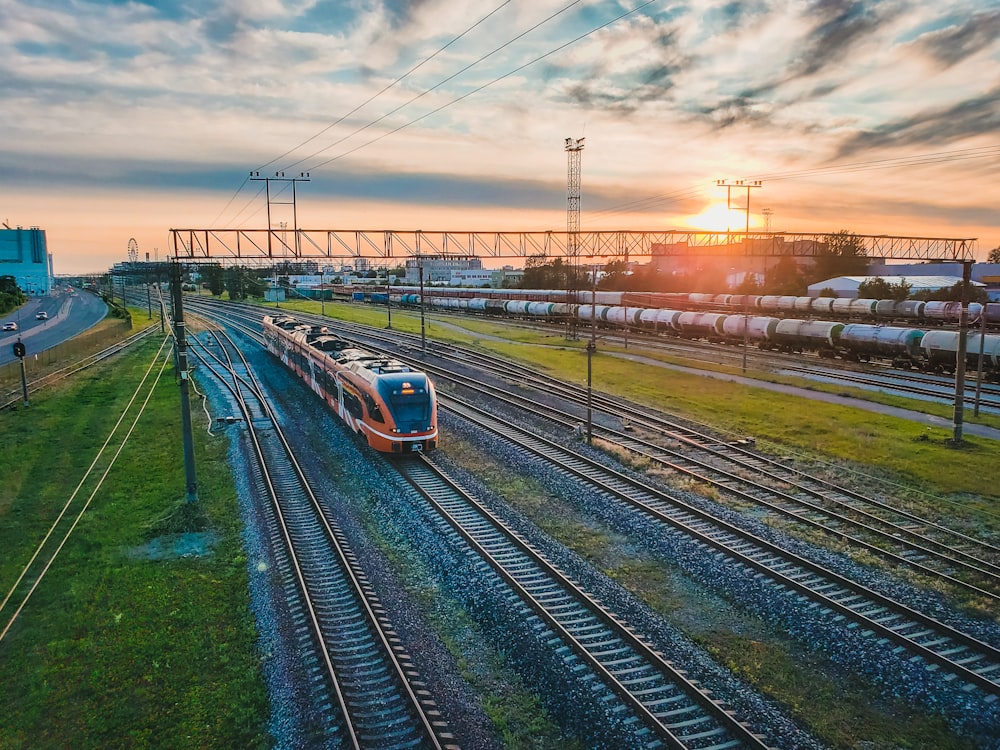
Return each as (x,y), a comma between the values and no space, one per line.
(482,277)
(439,270)
(24,255)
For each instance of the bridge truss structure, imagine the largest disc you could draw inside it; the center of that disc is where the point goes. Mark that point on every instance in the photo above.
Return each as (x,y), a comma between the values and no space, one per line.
(242,245)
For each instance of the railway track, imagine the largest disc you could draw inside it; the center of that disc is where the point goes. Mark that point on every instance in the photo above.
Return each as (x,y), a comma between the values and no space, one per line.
(903,635)
(863,610)
(373,696)
(911,383)
(13,396)
(915,385)
(677,711)
(898,536)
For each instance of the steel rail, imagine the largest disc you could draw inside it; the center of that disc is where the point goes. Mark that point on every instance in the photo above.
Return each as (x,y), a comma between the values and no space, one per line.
(432,732)
(431,482)
(773,561)
(913,543)
(82,364)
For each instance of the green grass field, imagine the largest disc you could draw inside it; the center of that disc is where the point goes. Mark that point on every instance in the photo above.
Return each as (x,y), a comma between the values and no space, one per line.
(120,647)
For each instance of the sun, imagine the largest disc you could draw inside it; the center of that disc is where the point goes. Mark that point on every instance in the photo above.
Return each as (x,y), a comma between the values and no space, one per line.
(719,218)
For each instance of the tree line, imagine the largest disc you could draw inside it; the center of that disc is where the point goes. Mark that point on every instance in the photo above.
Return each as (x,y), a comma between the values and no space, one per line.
(843,254)
(11,295)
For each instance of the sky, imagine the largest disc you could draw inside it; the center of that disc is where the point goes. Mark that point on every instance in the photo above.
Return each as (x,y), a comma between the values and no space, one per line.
(121,119)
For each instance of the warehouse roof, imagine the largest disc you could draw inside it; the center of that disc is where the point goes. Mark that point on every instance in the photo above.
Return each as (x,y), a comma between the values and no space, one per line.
(847,286)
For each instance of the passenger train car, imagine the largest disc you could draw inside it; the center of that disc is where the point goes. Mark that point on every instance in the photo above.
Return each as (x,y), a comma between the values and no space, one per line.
(393,407)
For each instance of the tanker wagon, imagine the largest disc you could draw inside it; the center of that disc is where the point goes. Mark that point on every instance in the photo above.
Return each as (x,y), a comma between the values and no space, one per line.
(794,335)
(861,341)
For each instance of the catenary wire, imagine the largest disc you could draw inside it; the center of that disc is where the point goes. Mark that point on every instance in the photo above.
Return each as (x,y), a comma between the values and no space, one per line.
(485,85)
(375,96)
(370,99)
(438,85)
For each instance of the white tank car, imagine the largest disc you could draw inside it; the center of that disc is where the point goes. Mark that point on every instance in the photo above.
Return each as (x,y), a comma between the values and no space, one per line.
(759,329)
(808,334)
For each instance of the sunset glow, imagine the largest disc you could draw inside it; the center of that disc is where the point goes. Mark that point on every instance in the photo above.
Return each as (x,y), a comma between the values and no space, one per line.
(124,120)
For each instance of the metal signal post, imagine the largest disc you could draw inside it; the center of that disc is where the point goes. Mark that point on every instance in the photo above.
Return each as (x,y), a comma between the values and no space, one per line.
(746,241)
(19,352)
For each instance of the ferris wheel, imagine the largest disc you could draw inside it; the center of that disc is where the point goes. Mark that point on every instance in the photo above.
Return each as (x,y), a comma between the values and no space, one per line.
(133,250)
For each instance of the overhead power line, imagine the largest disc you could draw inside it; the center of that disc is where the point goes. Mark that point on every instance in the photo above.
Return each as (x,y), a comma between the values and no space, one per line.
(436,86)
(476,90)
(902,161)
(373,97)
(363,104)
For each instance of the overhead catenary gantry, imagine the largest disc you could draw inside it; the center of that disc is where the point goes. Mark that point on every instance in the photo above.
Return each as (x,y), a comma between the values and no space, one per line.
(256,245)
(388,244)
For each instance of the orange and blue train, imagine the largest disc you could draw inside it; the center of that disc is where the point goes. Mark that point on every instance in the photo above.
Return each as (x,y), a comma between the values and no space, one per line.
(390,405)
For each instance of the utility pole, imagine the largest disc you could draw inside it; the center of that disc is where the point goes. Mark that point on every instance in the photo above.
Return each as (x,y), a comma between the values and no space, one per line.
(748,184)
(963,329)
(591,348)
(180,348)
(574,158)
(388,303)
(423,330)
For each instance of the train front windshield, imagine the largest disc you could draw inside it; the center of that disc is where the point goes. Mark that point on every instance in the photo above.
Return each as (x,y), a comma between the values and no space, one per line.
(409,399)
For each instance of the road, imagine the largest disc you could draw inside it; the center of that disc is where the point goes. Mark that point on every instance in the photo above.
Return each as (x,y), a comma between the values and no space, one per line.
(70,314)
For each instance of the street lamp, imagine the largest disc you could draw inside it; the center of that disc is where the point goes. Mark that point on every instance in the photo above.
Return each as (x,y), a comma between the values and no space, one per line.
(748,184)
(423,332)
(388,303)
(591,348)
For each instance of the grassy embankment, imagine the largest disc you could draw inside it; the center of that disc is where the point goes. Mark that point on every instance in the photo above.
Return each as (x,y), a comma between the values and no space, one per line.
(121,646)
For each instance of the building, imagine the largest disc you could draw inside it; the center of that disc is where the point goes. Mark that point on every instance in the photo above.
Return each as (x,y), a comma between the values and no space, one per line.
(480,278)
(439,270)
(24,255)
(987,273)
(847,286)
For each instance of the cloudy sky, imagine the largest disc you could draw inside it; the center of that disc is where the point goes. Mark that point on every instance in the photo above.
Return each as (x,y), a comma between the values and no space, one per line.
(125,119)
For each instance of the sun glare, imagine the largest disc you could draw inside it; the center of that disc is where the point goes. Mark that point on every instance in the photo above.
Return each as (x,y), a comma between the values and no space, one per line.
(718,218)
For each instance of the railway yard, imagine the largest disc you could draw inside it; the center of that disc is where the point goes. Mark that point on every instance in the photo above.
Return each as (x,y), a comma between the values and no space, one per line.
(697,577)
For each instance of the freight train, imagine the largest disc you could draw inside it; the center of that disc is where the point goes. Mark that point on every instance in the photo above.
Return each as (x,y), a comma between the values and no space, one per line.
(493,300)
(391,406)
(933,350)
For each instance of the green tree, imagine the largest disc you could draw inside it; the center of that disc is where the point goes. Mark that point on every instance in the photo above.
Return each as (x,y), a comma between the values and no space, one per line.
(540,274)
(993,256)
(236,282)
(879,288)
(212,275)
(953,293)
(616,277)
(844,255)
(11,295)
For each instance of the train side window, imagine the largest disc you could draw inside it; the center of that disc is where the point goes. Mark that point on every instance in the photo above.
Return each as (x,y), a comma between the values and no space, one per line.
(373,409)
(353,404)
